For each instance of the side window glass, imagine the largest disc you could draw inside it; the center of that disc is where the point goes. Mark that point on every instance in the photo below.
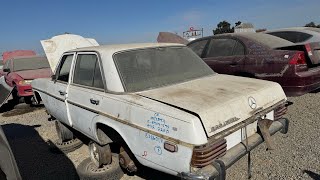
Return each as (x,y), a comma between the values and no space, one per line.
(238,49)
(87,71)
(64,69)
(97,79)
(198,46)
(221,47)
(7,64)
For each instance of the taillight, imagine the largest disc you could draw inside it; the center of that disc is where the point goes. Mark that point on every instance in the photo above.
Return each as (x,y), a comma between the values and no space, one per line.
(206,154)
(298,58)
(309,50)
(279,112)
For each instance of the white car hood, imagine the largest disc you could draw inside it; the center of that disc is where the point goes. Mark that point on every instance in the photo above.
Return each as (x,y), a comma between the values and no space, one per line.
(57,45)
(221,101)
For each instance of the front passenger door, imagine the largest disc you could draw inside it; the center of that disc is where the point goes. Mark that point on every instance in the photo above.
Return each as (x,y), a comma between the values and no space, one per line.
(58,89)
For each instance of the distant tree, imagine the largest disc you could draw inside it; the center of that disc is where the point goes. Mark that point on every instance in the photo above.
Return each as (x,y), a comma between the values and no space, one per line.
(311,24)
(238,23)
(225,27)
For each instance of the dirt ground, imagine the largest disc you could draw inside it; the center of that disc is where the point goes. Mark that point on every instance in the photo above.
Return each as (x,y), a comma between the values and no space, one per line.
(296,154)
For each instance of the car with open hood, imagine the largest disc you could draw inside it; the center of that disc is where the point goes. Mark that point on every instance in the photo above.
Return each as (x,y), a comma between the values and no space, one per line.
(263,56)
(159,105)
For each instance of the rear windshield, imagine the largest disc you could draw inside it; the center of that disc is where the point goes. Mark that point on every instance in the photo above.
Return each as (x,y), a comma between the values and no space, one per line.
(268,40)
(30,64)
(155,67)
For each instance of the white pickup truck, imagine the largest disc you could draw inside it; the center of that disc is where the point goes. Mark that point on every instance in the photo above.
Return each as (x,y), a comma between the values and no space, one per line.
(162,107)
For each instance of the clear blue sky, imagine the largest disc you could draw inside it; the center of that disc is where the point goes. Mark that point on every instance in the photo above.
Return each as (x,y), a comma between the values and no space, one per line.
(25,23)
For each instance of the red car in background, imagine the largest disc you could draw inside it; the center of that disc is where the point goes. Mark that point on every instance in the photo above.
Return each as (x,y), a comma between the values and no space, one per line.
(295,67)
(20,71)
(13,54)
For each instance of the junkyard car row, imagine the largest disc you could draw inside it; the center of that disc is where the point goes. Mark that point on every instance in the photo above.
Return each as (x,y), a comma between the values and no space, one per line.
(160,105)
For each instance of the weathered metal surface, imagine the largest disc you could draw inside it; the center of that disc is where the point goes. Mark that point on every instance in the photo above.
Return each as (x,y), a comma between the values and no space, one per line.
(57,45)
(221,101)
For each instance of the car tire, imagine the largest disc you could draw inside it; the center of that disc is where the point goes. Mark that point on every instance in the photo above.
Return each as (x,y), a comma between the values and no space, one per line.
(68,146)
(87,170)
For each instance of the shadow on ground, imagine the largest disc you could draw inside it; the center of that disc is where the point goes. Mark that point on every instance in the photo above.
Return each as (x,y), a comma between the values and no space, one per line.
(9,109)
(148,173)
(33,155)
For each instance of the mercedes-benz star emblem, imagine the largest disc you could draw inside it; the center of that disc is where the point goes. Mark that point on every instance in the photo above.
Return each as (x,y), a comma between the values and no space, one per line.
(252,102)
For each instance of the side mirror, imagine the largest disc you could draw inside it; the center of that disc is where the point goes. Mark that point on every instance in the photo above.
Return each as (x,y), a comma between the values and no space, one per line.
(6,70)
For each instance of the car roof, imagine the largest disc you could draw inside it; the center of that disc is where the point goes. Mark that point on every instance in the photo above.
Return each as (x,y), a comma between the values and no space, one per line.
(122,47)
(30,57)
(265,39)
(297,29)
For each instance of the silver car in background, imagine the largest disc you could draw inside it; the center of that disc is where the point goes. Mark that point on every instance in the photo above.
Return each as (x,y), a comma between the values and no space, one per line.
(297,35)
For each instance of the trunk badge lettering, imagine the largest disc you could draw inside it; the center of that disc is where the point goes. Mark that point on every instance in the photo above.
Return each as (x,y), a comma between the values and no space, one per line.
(252,102)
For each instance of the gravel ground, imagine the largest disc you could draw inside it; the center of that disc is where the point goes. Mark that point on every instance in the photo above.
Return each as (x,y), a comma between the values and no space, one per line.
(296,154)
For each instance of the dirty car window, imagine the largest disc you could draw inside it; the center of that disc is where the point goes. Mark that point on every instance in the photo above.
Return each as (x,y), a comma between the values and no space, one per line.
(64,71)
(30,64)
(155,67)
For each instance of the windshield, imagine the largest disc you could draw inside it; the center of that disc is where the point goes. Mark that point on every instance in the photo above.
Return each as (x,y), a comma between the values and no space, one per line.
(155,67)
(30,63)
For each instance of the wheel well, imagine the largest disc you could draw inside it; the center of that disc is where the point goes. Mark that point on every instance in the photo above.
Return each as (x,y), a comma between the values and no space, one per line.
(108,135)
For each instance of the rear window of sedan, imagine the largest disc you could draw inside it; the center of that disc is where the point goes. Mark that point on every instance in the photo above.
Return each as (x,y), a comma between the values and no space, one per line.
(270,41)
(149,68)
(292,36)
(24,64)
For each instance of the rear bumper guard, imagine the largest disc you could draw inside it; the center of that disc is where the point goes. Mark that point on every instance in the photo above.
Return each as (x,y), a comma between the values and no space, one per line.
(218,168)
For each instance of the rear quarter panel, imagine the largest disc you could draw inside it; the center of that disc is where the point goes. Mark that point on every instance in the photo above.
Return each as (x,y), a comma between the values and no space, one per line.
(262,61)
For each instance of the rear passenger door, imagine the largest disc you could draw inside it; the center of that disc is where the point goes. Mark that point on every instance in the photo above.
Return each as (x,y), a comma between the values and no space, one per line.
(86,91)
(225,55)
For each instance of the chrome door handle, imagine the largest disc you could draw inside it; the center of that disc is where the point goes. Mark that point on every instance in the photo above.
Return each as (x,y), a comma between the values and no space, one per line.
(62,93)
(94,101)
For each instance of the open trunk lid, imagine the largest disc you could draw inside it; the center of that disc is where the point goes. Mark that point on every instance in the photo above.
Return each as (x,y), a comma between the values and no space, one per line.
(57,45)
(220,101)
